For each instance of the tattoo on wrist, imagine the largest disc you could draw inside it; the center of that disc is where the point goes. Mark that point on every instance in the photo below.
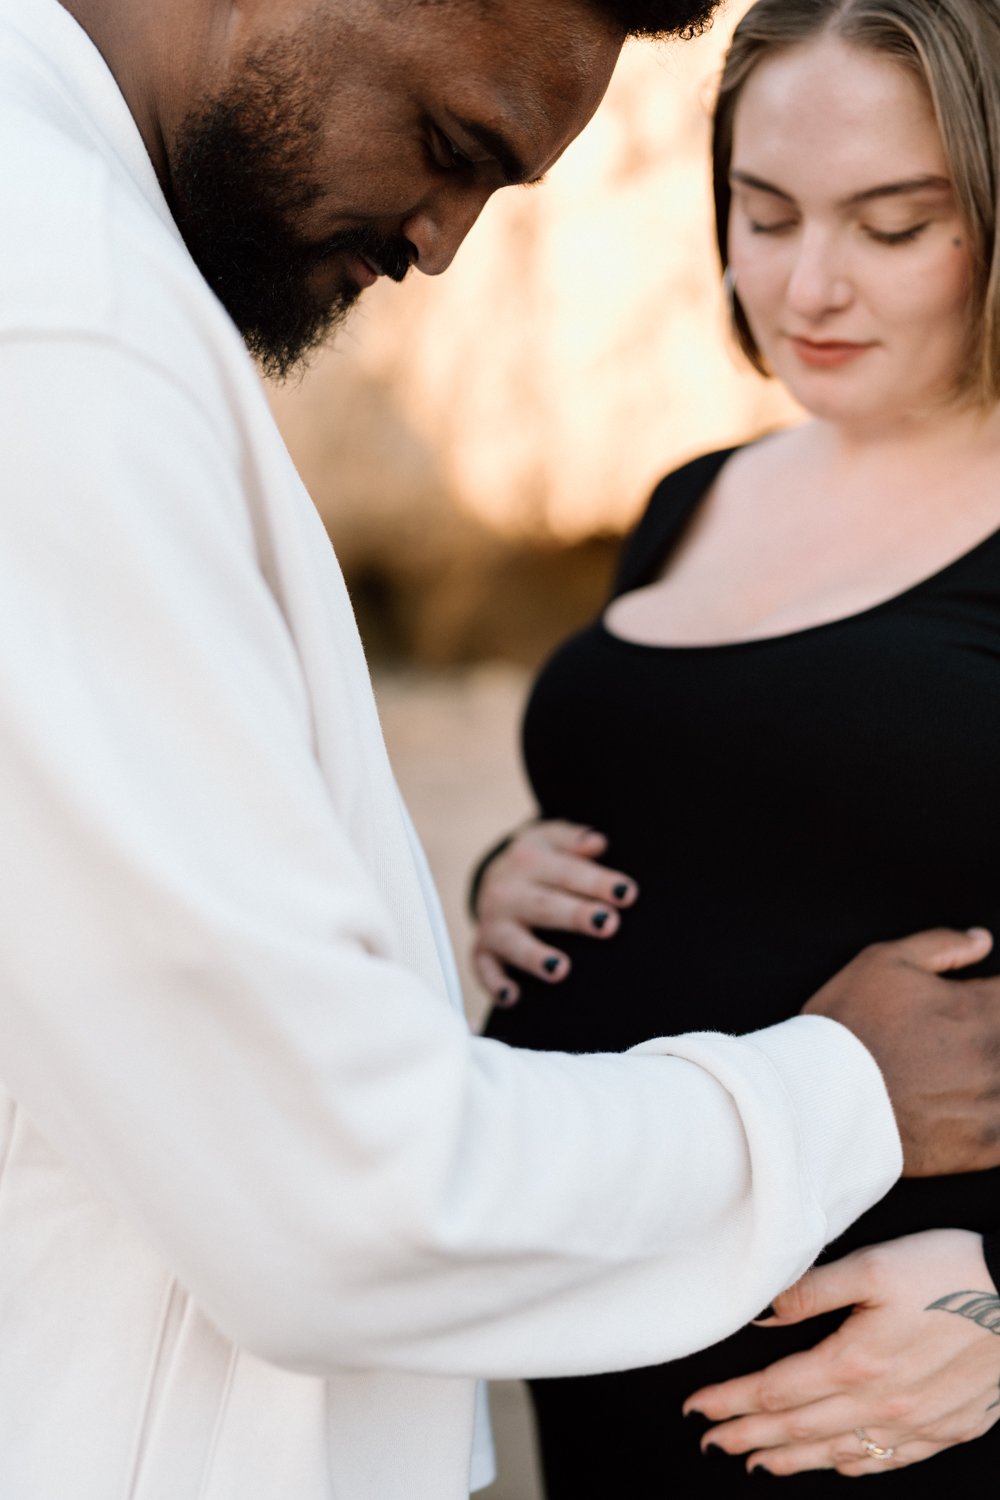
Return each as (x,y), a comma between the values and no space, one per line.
(981,1308)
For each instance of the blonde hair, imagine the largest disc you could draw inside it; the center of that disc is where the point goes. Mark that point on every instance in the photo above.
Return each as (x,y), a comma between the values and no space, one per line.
(953,48)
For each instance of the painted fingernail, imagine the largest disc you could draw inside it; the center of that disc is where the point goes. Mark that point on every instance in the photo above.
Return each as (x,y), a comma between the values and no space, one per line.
(506,996)
(768,1312)
(600,920)
(621,890)
(550,965)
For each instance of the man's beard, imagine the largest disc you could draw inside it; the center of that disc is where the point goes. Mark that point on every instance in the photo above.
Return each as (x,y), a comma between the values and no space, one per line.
(239,185)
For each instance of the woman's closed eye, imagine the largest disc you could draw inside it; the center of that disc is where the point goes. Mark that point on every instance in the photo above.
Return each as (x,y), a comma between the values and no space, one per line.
(771,226)
(897,236)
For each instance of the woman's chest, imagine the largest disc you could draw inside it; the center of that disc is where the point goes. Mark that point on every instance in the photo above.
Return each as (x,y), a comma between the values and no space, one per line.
(854,746)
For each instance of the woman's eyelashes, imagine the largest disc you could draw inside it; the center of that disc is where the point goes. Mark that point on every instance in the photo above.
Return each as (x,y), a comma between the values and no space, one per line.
(897,236)
(880,236)
(758,227)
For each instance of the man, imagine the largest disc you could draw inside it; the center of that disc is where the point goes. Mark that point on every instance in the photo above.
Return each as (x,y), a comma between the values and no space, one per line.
(266,1208)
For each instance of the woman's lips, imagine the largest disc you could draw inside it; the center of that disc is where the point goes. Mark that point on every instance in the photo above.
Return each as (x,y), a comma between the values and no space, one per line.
(827,354)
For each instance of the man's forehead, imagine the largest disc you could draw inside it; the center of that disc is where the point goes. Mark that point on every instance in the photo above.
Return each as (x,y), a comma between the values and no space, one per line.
(568,40)
(529,77)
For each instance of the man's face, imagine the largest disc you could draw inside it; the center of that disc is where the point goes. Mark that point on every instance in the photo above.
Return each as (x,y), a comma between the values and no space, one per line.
(354,138)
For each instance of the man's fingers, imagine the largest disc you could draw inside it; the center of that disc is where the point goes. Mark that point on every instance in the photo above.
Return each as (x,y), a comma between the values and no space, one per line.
(941,950)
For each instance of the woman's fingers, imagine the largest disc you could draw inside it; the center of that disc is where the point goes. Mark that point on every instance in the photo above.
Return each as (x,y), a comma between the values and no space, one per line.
(839,1283)
(778,1388)
(845,1454)
(901,1369)
(501,988)
(557,856)
(509,942)
(547,878)
(571,838)
(553,908)
(817,1422)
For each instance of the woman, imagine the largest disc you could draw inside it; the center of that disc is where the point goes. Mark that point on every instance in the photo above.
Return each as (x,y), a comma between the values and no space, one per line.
(785,727)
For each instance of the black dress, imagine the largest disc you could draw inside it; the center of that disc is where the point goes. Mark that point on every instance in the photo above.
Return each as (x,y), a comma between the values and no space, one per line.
(782,803)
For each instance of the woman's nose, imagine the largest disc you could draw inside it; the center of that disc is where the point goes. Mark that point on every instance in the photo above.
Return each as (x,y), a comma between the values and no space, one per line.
(818,282)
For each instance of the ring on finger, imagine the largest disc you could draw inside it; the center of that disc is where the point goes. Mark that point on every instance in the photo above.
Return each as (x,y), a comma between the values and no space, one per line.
(873,1450)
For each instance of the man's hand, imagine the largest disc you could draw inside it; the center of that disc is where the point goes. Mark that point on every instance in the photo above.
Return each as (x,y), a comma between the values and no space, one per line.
(910,1377)
(937,1042)
(547,876)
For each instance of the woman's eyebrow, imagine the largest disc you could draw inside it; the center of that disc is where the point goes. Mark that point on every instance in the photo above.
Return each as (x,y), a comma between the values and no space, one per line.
(928,183)
(747,179)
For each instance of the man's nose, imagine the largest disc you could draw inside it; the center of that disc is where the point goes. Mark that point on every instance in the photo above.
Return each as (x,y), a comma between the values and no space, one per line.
(818,282)
(439,225)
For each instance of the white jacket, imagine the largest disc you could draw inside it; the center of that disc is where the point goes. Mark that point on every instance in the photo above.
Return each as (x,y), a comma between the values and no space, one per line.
(266,1208)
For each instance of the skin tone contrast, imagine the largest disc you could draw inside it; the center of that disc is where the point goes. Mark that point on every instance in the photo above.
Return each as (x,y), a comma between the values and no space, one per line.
(853,270)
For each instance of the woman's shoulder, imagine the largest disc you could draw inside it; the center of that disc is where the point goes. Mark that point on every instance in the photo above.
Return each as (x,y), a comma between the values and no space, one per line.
(690,480)
(676,495)
(750,462)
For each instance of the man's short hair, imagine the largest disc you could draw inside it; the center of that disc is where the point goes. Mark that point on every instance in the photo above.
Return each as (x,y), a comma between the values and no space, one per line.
(663,18)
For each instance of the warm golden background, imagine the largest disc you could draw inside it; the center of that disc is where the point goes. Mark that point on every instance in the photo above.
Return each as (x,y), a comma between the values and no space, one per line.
(476,442)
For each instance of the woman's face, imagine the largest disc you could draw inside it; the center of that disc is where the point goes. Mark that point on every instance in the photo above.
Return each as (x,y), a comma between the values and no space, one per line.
(850,256)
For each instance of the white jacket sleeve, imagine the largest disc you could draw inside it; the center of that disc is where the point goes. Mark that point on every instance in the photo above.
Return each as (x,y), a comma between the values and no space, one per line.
(197,1011)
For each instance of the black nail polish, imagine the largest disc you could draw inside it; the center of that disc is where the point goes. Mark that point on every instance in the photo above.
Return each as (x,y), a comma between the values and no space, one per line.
(600,920)
(550,965)
(620,891)
(504,994)
(767,1313)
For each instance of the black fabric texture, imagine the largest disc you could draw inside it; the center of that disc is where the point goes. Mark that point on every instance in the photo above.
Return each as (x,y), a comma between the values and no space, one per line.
(782,803)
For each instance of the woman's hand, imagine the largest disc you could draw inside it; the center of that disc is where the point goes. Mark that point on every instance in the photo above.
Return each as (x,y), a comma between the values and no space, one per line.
(547,876)
(914,1369)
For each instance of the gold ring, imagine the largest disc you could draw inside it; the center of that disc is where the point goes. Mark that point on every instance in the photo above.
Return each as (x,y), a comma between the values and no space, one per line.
(873,1450)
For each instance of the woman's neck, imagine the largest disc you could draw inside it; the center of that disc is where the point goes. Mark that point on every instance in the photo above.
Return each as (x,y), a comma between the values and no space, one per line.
(909,442)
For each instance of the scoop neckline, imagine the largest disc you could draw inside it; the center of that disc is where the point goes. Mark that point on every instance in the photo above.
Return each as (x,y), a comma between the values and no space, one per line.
(841,621)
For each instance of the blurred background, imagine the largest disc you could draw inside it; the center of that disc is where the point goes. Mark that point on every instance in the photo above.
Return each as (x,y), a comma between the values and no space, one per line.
(478,443)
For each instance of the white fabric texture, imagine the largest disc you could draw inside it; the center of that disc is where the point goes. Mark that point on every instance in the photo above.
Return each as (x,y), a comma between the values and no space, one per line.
(266,1208)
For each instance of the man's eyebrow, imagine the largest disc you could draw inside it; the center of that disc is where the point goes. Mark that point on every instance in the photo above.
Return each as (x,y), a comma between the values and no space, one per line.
(928,183)
(514,169)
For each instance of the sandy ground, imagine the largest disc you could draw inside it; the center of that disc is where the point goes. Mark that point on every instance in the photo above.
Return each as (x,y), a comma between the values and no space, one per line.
(453,742)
